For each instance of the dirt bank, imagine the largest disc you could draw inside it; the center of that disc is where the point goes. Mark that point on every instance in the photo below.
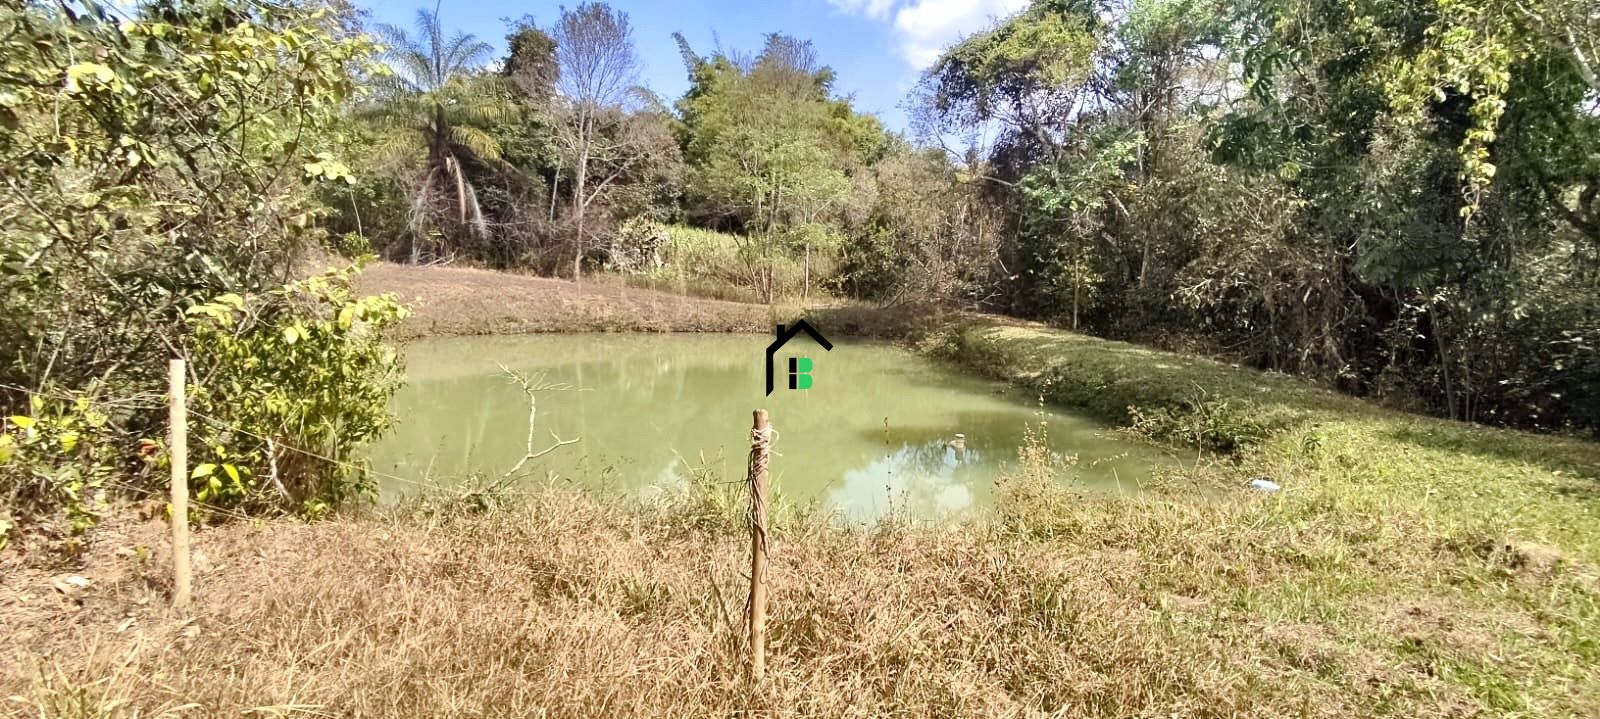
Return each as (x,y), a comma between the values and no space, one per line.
(450,301)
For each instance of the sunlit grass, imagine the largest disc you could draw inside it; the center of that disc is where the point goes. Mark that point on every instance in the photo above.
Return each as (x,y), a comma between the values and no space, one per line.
(719,265)
(1411,567)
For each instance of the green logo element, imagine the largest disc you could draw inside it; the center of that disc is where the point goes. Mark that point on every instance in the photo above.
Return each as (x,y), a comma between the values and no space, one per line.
(799,373)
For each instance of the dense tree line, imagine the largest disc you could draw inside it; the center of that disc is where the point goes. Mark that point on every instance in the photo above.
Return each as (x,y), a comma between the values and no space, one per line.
(1402,199)
(554,158)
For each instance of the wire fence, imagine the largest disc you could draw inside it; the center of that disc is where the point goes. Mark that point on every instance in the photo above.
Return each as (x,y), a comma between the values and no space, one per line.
(155,402)
(761,440)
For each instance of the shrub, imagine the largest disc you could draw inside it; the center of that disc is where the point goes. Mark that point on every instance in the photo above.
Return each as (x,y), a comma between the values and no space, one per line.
(155,160)
(58,458)
(715,264)
(637,246)
(350,245)
(1216,425)
(873,267)
(288,385)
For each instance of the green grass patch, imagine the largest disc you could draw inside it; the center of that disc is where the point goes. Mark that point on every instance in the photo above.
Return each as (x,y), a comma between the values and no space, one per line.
(1465,556)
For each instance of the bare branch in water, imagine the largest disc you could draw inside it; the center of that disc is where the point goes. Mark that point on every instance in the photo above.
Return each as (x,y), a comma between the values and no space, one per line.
(531,387)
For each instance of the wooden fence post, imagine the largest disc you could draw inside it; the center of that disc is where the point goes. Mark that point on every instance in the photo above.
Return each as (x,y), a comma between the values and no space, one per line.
(760,454)
(178,447)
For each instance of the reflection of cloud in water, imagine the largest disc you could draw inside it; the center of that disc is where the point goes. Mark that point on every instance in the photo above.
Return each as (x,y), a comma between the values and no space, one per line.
(922,480)
(668,481)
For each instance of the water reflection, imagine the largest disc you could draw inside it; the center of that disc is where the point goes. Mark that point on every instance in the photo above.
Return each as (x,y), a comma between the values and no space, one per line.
(878,430)
(933,479)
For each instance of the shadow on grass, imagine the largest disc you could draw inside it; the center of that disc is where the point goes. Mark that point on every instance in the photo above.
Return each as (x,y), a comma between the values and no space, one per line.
(1570,458)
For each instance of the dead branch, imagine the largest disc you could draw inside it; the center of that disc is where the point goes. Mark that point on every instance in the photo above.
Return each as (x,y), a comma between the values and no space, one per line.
(531,388)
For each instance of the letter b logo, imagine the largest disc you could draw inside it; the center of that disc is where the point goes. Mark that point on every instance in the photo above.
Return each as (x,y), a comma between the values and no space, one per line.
(799,373)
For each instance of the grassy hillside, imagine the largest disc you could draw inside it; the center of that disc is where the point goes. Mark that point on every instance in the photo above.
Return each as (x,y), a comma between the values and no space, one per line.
(1460,479)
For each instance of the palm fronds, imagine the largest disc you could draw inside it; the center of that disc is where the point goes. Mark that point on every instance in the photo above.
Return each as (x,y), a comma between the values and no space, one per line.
(432,106)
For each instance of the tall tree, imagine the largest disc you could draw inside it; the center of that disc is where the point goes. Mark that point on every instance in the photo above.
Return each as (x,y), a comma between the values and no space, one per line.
(772,155)
(531,61)
(598,72)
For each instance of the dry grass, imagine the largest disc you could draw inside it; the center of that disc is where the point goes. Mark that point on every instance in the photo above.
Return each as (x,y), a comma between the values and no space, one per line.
(1063,604)
(453,301)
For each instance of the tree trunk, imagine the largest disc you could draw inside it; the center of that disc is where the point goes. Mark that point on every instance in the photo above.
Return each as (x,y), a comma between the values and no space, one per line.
(805,294)
(580,180)
(555,188)
(1444,363)
(1144,263)
(577,254)
(1077,285)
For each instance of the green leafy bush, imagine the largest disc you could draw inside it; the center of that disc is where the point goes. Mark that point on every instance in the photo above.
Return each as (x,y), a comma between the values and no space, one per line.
(873,267)
(57,460)
(155,159)
(350,245)
(287,386)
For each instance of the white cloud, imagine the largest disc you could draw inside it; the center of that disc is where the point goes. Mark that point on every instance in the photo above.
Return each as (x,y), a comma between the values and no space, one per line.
(924,28)
(927,27)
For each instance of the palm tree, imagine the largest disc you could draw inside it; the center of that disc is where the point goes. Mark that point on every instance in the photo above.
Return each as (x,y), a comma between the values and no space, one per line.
(429,103)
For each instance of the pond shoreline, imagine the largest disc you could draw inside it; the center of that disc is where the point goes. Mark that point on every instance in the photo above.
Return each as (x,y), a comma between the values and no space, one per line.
(1411,567)
(881,429)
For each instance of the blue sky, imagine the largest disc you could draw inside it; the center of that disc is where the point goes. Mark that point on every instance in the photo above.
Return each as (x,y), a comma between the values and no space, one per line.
(877,47)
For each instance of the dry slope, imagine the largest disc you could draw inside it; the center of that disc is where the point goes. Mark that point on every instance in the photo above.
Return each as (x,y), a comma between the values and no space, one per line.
(451,301)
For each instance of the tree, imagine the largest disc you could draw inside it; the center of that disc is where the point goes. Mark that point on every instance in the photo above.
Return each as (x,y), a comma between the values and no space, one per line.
(431,104)
(771,155)
(160,161)
(598,71)
(531,62)
(1375,193)
(155,162)
(930,234)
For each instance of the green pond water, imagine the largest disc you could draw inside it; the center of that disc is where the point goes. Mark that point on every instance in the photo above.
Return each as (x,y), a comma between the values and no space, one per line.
(875,432)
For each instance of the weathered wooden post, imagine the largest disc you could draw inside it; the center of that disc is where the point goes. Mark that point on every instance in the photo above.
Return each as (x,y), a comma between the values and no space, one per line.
(178,447)
(760,454)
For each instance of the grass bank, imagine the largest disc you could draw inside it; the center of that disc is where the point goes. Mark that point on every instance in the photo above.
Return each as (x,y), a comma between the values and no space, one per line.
(1411,567)
(1349,455)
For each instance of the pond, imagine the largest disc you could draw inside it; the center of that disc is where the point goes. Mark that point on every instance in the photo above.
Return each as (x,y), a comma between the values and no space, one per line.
(879,429)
